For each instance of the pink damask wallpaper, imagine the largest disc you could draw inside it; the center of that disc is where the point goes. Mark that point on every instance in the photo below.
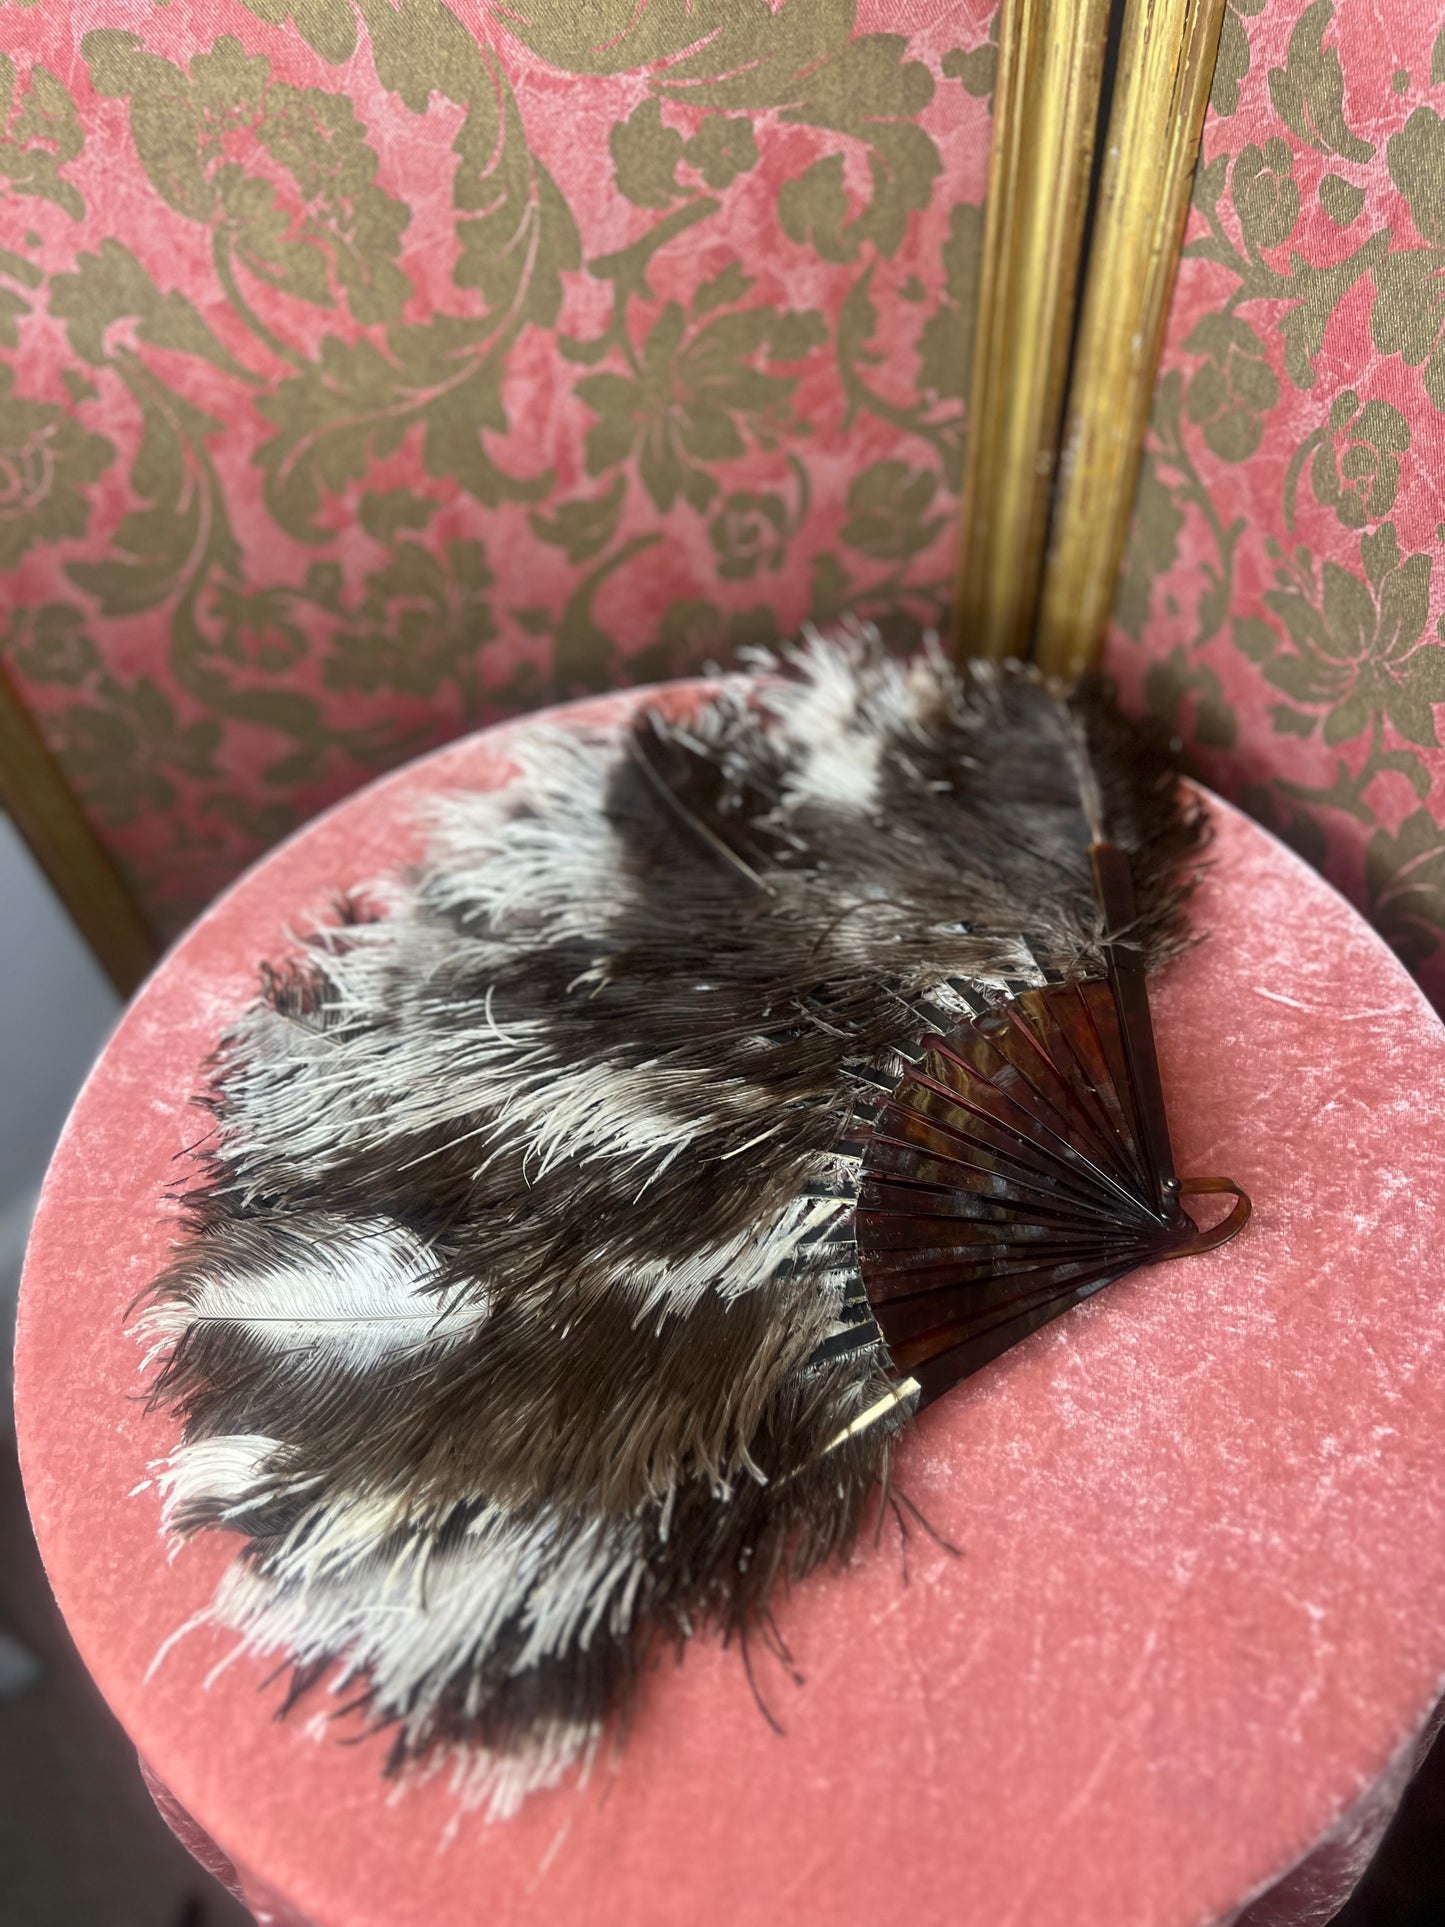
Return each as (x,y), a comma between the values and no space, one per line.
(1283,598)
(372,368)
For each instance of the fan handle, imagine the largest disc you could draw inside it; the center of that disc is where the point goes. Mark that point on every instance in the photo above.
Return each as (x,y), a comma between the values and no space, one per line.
(1228,1226)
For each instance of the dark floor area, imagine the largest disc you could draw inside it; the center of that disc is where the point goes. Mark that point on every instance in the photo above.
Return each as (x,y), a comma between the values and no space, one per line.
(1405,1885)
(80,1843)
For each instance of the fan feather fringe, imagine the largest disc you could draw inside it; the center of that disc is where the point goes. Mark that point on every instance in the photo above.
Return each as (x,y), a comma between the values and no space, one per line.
(496,1326)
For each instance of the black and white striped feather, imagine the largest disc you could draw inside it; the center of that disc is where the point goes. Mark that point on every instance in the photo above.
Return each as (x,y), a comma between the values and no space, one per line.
(515,1316)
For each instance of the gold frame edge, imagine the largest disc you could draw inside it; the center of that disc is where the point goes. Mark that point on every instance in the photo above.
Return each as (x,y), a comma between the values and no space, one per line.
(50,820)
(1046,110)
(1166,68)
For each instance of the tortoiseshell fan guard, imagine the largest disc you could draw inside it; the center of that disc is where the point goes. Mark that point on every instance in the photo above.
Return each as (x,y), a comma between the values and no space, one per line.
(1021,1164)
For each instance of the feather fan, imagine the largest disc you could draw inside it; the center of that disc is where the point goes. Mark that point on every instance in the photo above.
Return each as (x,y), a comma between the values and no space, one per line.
(558,1281)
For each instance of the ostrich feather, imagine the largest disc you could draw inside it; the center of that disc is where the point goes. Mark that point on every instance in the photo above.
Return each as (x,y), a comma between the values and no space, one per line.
(516,1325)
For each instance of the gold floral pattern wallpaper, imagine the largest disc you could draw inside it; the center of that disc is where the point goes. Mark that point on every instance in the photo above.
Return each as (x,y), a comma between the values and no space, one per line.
(1283,597)
(376,368)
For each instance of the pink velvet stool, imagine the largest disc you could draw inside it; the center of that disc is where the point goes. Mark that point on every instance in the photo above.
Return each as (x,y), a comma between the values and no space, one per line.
(1197,1618)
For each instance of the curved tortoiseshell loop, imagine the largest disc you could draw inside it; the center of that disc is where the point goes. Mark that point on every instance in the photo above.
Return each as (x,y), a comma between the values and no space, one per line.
(1233,1222)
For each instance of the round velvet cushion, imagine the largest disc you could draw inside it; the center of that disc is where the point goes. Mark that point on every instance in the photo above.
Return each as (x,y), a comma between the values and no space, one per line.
(1193,1613)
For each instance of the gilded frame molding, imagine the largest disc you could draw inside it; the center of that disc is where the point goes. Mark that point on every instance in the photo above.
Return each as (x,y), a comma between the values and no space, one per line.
(1046,110)
(48,817)
(1166,68)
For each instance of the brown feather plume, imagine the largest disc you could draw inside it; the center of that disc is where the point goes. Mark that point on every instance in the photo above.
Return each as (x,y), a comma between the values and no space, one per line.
(517,1287)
